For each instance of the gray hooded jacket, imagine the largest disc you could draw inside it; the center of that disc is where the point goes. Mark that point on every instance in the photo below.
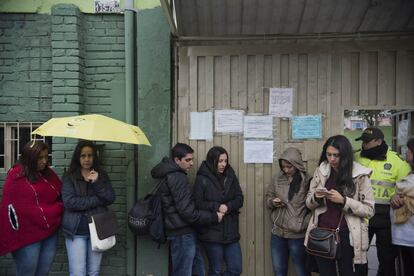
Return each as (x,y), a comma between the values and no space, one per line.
(291,219)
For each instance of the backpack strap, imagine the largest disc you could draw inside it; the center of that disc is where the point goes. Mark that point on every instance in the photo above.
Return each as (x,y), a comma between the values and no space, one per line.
(157,187)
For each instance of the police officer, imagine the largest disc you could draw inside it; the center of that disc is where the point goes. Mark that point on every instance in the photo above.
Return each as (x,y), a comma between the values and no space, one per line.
(387,168)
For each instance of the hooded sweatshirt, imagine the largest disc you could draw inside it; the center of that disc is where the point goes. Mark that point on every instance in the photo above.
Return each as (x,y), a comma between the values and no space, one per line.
(291,219)
(178,205)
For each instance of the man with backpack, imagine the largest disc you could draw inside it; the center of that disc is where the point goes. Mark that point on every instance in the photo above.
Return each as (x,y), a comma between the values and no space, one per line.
(179,209)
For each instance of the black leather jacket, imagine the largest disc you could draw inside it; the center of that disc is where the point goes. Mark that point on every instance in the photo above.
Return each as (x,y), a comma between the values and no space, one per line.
(178,205)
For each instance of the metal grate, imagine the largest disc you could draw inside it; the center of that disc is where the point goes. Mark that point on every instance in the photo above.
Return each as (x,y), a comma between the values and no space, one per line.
(13,137)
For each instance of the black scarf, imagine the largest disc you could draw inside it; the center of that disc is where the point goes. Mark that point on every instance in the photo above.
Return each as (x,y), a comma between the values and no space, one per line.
(376,153)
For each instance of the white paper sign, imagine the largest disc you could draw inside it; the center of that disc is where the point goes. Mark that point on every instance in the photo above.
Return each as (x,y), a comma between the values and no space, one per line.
(258,127)
(107,6)
(228,121)
(280,102)
(402,136)
(258,151)
(404,150)
(201,126)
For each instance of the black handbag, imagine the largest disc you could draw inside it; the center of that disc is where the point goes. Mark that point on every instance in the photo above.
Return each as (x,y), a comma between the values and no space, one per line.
(106,224)
(324,242)
(102,229)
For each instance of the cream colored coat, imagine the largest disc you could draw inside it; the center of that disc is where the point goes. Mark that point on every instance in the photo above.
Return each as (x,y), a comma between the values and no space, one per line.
(358,208)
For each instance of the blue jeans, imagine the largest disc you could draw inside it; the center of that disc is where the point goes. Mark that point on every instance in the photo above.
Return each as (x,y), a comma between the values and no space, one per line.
(82,260)
(281,250)
(36,258)
(230,253)
(185,256)
(198,263)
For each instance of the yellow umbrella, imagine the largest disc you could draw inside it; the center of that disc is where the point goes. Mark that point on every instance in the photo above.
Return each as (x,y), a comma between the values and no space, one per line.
(94,127)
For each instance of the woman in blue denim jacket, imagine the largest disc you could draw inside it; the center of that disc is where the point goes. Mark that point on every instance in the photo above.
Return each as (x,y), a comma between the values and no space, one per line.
(86,191)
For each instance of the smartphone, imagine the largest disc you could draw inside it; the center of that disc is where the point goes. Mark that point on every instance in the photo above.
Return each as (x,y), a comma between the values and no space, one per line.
(322,190)
(278,200)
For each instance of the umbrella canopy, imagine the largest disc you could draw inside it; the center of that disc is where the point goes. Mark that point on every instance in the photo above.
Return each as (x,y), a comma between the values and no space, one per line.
(94,127)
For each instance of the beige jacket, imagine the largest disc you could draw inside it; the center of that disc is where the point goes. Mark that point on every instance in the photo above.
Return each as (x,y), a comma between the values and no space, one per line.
(289,221)
(405,187)
(358,208)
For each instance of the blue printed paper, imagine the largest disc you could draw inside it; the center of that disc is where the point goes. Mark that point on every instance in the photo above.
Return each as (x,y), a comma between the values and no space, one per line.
(307,127)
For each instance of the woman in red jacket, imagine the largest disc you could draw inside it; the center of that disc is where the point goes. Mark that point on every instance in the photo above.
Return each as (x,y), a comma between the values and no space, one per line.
(31,211)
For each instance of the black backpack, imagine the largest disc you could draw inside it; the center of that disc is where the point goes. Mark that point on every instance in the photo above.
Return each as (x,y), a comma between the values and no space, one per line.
(146,218)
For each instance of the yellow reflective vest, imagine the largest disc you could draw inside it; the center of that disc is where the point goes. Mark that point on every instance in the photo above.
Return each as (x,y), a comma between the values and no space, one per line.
(384,174)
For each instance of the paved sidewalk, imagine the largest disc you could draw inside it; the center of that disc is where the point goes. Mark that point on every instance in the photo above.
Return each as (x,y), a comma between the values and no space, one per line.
(372,259)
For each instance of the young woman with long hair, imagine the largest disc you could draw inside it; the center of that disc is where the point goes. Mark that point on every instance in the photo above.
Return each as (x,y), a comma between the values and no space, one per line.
(340,193)
(86,191)
(31,211)
(217,189)
(286,197)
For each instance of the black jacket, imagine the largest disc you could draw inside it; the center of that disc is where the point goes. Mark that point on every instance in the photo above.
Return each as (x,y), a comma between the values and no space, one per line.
(100,195)
(209,193)
(178,205)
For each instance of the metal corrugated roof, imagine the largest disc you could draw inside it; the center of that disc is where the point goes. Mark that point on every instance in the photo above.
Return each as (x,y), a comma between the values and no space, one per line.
(224,18)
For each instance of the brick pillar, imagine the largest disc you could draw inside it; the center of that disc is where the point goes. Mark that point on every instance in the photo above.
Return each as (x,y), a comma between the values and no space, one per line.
(67,74)
(67,61)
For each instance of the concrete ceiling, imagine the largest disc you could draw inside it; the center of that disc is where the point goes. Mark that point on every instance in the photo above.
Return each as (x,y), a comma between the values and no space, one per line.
(241,18)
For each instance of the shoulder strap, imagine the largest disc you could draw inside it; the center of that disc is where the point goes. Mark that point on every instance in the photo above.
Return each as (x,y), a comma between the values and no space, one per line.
(339,223)
(157,187)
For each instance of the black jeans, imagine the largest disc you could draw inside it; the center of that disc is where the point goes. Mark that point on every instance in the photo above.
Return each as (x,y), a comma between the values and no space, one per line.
(386,251)
(407,254)
(345,264)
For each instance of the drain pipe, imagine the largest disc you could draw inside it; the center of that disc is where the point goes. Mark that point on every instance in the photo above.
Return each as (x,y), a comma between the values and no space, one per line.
(129,18)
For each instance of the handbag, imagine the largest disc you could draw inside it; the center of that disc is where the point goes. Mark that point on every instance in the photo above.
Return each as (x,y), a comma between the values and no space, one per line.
(324,242)
(102,229)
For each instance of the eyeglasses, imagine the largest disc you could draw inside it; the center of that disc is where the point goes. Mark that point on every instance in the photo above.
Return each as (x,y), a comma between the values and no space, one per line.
(334,155)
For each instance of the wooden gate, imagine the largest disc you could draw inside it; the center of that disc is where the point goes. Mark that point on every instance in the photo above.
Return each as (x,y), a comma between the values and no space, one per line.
(327,77)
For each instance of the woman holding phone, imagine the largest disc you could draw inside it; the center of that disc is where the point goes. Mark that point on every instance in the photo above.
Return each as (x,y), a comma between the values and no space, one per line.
(340,193)
(86,191)
(285,197)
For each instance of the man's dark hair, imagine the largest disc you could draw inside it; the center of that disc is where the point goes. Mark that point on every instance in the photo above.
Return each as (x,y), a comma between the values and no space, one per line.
(180,150)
